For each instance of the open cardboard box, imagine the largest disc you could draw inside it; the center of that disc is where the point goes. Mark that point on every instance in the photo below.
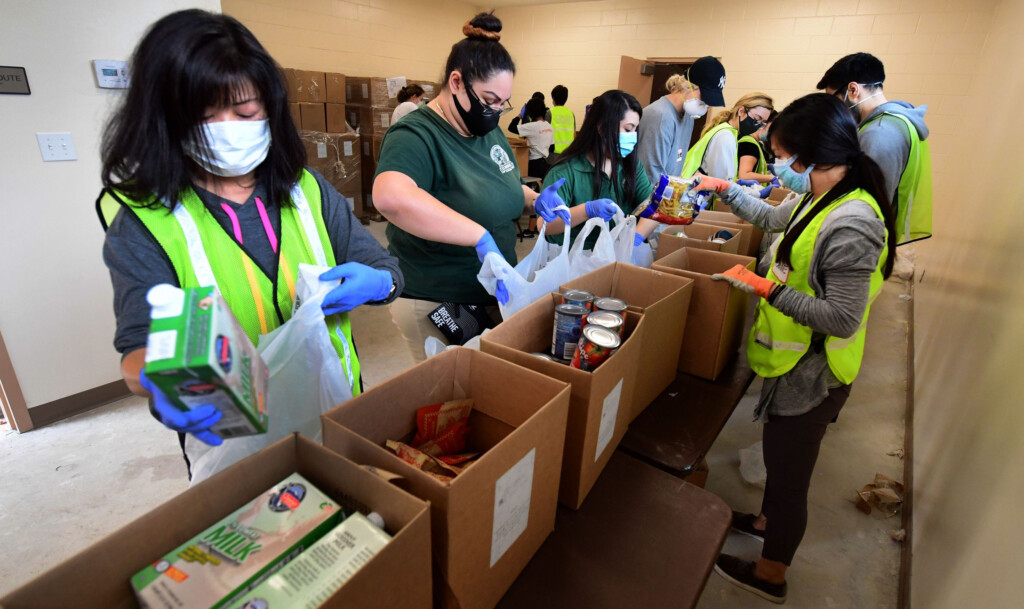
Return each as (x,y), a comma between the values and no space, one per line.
(714,326)
(663,299)
(490,519)
(398,576)
(750,235)
(698,236)
(600,402)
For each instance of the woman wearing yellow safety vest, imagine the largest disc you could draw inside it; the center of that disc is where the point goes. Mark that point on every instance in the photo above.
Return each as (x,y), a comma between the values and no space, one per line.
(807,341)
(204,184)
(715,153)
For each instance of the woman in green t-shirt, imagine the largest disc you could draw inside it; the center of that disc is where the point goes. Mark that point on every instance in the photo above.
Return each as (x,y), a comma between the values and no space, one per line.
(606,140)
(448,183)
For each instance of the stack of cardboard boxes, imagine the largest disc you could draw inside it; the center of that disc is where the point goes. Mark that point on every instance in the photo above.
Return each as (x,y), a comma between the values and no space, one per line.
(317,104)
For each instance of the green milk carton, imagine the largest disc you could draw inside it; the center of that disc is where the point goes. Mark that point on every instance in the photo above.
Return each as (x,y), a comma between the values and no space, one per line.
(197,353)
(309,580)
(215,568)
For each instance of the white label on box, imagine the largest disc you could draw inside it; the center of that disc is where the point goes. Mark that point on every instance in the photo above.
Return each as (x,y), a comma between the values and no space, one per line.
(348,148)
(348,91)
(366,91)
(321,150)
(512,505)
(609,413)
(395,84)
(385,120)
(160,345)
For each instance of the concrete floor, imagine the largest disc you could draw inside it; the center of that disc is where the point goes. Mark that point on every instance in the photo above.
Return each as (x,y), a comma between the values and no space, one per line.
(72,483)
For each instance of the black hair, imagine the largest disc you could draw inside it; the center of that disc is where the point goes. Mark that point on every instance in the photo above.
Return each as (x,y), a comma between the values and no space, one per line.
(480,54)
(535,109)
(862,68)
(598,140)
(537,95)
(187,62)
(559,95)
(408,92)
(819,129)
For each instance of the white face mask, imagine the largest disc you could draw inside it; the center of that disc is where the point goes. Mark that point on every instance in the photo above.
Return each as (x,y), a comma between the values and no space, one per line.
(695,108)
(232,148)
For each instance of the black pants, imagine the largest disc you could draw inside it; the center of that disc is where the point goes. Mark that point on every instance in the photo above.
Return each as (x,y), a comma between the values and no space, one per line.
(537,168)
(790,451)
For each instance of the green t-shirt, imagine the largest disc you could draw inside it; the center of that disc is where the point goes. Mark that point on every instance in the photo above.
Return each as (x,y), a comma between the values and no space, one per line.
(579,188)
(475,176)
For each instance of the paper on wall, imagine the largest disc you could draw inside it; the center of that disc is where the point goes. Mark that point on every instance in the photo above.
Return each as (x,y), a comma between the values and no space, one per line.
(512,505)
(395,84)
(609,413)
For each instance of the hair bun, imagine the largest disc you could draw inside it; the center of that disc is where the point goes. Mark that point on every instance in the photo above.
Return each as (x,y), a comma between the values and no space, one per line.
(484,26)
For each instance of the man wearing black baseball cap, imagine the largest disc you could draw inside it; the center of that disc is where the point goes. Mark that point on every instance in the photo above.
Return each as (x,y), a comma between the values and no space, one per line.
(894,134)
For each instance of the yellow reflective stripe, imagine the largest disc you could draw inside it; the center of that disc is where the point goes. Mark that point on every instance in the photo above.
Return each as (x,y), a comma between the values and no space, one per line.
(765,340)
(287,272)
(834,342)
(256,295)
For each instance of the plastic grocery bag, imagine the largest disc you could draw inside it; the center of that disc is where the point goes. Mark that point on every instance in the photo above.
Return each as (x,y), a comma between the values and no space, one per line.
(752,466)
(432,346)
(625,251)
(583,261)
(306,379)
(539,273)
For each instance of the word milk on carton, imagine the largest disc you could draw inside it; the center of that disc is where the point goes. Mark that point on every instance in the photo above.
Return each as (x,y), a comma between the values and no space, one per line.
(309,581)
(228,559)
(197,353)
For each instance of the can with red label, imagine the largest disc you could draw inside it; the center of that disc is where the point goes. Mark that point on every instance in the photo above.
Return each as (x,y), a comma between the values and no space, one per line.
(615,305)
(582,298)
(608,319)
(596,344)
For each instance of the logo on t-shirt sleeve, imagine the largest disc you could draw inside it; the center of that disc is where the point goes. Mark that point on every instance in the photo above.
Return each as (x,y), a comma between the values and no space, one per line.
(500,158)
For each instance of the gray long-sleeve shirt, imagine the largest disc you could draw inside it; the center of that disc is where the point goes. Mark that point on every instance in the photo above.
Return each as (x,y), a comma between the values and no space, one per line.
(137,262)
(663,137)
(845,255)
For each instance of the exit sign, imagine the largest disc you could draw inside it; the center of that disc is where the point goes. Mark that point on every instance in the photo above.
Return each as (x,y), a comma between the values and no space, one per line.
(13,81)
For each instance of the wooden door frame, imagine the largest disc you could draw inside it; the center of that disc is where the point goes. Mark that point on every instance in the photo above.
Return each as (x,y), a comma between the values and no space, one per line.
(12,400)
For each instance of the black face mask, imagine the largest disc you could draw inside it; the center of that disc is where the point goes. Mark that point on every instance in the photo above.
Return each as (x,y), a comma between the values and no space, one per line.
(748,126)
(478,123)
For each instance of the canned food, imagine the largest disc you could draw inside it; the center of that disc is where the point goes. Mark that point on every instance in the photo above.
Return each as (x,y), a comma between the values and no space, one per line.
(582,298)
(721,236)
(615,305)
(567,328)
(596,344)
(544,356)
(607,319)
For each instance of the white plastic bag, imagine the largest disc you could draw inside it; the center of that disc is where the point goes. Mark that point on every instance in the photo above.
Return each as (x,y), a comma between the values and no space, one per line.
(583,261)
(752,466)
(432,346)
(542,270)
(622,237)
(306,379)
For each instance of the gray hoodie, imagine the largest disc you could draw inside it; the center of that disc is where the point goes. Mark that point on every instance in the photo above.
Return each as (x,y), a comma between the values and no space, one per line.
(887,142)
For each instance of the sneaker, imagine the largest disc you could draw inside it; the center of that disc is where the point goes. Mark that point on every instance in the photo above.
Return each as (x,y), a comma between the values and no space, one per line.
(528,234)
(744,523)
(741,573)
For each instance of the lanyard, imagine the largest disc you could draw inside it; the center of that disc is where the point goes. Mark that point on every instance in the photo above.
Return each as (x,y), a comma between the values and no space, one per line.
(237,228)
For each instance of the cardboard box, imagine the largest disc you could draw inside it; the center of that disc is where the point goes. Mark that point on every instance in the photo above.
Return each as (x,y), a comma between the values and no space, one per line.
(663,299)
(521,150)
(730,220)
(334,84)
(778,195)
(305,86)
(312,117)
(336,119)
(696,235)
(338,158)
(293,107)
(488,521)
(376,90)
(369,120)
(601,401)
(431,89)
(714,325)
(357,90)
(743,233)
(397,577)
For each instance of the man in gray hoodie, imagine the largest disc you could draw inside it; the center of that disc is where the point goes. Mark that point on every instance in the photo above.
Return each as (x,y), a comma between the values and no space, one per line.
(894,134)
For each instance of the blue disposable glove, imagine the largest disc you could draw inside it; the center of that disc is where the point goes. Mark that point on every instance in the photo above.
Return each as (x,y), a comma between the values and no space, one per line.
(775,182)
(197,421)
(485,246)
(547,202)
(771,169)
(748,182)
(359,284)
(767,190)
(638,239)
(601,208)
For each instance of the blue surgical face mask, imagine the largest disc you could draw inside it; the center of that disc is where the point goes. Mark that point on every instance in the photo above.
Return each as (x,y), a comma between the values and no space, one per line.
(797,182)
(627,141)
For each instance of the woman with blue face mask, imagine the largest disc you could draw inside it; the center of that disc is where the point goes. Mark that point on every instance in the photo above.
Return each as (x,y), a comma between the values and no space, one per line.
(838,245)
(599,174)
(205,184)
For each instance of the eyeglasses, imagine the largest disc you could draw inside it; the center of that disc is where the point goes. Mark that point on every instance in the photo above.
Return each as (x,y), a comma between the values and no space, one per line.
(491,109)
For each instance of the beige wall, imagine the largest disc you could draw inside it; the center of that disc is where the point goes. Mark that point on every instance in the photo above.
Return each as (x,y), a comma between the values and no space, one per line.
(969,422)
(361,38)
(55,296)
